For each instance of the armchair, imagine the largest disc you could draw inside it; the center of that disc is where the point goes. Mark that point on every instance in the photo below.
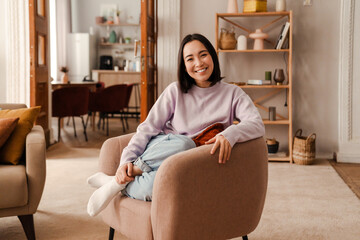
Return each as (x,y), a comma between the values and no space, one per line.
(21,186)
(194,197)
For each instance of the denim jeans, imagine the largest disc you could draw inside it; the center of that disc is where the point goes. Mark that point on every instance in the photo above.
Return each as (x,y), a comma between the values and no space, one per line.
(158,149)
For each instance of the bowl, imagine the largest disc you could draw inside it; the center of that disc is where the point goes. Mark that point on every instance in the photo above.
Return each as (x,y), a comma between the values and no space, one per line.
(273,148)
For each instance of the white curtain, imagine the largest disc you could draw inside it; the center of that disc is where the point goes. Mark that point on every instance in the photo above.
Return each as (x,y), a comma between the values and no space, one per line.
(63,25)
(17,52)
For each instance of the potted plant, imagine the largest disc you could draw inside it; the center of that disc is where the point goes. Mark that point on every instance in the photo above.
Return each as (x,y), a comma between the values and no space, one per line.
(64,77)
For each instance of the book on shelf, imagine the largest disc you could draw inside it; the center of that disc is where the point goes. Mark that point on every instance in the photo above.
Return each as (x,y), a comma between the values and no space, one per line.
(282,36)
(258,82)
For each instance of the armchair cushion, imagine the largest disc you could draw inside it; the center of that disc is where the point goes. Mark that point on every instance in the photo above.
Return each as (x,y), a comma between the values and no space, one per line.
(13,184)
(13,149)
(7,126)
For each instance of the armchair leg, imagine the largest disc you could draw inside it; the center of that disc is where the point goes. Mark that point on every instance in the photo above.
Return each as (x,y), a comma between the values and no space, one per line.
(27,222)
(111,233)
(245,237)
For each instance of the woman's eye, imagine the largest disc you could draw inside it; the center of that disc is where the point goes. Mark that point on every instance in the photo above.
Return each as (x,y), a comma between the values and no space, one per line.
(204,55)
(189,59)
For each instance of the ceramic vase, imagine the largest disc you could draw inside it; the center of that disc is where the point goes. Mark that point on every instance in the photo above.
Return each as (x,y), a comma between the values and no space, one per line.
(232,6)
(280,5)
(242,43)
(65,78)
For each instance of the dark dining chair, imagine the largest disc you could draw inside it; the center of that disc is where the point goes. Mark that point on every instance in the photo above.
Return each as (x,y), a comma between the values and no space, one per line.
(70,102)
(108,102)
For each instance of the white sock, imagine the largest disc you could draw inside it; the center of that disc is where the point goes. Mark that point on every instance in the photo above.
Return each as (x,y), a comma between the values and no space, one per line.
(102,196)
(99,179)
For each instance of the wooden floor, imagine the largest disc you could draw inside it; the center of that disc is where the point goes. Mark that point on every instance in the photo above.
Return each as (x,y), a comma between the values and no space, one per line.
(350,173)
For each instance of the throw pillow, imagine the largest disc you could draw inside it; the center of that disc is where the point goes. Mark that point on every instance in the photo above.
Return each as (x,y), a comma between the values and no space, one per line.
(14,147)
(7,126)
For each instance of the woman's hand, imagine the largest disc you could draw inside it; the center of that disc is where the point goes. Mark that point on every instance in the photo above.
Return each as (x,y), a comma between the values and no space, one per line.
(124,173)
(225,147)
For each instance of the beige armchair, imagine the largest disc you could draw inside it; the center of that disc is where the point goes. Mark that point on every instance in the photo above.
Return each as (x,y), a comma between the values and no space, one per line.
(21,186)
(194,197)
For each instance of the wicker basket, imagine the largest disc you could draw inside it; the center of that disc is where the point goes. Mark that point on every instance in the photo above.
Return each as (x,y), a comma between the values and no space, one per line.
(304,148)
(251,6)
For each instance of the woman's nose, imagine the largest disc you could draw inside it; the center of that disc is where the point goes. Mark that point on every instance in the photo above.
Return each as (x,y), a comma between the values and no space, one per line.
(198,62)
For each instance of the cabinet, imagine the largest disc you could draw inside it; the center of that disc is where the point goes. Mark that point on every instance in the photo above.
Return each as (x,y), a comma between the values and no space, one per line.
(270,22)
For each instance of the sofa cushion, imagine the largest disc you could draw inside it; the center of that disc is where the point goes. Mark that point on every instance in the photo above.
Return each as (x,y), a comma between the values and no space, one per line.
(7,126)
(13,149)
(13,185)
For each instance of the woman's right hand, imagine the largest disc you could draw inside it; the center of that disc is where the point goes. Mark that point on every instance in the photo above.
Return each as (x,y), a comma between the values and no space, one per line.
(124,173)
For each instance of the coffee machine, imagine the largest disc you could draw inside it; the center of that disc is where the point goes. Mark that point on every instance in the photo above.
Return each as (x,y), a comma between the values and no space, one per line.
(106,62)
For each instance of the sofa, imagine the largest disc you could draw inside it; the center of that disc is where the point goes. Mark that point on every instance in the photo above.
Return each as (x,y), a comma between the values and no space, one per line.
(21,185)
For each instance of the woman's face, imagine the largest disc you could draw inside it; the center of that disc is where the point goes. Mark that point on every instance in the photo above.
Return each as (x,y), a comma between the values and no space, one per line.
(198,63)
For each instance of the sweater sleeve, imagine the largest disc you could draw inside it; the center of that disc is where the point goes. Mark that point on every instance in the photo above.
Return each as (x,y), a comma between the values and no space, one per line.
(250,124)
(154,124)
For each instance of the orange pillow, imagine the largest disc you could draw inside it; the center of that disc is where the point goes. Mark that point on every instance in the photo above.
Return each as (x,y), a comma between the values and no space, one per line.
(7,126)
(14,147)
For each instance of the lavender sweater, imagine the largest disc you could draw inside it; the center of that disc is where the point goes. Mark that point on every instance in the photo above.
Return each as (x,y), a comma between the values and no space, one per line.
(190,113)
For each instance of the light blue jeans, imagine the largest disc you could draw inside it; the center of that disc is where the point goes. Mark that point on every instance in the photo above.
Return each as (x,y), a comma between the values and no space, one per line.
(158,149)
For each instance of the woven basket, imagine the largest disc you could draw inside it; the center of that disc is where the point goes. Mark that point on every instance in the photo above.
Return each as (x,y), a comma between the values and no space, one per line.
(304,148)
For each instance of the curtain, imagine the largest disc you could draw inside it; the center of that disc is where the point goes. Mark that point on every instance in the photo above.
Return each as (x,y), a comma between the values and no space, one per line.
(63,25)
(17,52)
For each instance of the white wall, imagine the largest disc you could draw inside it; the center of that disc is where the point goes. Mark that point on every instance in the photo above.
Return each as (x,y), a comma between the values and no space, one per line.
(3,51)
(315,62)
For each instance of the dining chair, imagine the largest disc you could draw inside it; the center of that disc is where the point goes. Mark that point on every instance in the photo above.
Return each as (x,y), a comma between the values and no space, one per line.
(70,102)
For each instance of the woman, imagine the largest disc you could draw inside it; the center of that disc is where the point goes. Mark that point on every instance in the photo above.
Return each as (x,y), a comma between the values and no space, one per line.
(182,112)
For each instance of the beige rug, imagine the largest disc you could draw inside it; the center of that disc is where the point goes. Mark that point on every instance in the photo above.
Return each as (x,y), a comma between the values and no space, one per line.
(303,202)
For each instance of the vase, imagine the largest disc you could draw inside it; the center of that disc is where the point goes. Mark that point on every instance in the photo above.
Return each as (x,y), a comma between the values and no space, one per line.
(65,78)
(280,5)
(279,76)
(241,43)
(232,6)
(117,20)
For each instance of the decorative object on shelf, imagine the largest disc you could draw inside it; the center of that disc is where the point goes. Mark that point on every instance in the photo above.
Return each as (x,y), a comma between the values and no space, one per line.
(272,113)
(227,39)
(117,17)
(242,42)
(251,6)
(127,40)
(99,20)
(64,77)
(232,6)
(112,38)
(304,148)
(110,20)
(279,76)
(258,37)
(268,75)
(106,62)
(272,144)
(280,5)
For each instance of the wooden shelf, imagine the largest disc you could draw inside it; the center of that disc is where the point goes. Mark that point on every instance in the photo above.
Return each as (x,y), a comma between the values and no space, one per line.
(277,122)
(254,51)
(256,14)
(265,20)
(263,86)
(117,44)
(119,25)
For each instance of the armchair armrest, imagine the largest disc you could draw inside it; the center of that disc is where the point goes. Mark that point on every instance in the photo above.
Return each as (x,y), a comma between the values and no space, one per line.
(35,166)
(110,153)
(192,189)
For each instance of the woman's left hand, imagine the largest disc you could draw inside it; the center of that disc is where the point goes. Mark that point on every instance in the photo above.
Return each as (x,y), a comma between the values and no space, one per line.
(225,147)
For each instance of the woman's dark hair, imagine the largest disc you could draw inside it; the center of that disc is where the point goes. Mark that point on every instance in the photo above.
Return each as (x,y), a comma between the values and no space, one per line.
(184,78)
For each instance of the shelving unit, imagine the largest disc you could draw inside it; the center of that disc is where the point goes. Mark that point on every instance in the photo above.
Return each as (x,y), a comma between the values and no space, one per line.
(271,90)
